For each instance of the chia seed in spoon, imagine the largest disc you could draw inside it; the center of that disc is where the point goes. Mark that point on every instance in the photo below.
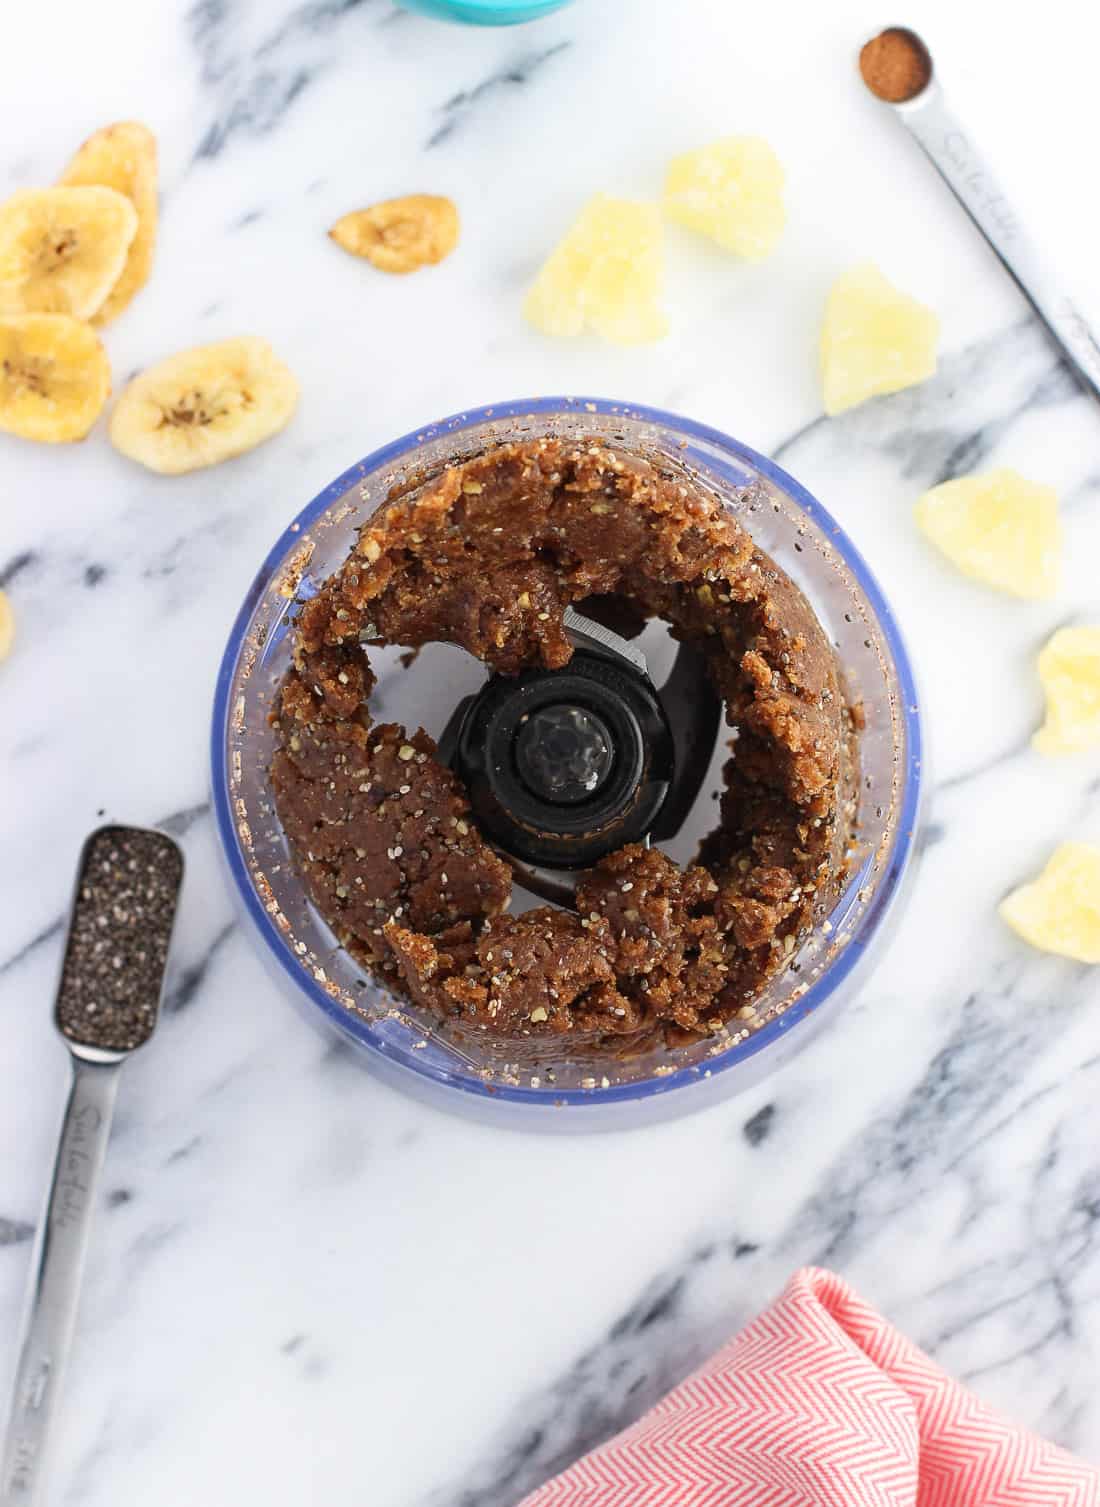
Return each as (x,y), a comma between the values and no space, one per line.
(121,926)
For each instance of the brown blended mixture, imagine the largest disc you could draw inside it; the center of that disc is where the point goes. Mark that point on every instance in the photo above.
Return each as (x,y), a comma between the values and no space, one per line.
(487,554)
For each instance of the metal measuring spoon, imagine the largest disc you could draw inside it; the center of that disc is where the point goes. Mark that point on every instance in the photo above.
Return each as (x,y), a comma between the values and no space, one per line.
(897,68)
(123,911)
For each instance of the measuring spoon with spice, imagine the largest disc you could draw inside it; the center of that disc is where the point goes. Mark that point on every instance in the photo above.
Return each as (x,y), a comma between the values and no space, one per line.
(127,888)
(897,68)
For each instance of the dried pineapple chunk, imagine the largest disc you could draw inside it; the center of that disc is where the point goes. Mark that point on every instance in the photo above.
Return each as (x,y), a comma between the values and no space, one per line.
(7,625)
(123,157)
(1069,668)
(1060,911)
(62,249)
(400,235)
(999,528)
(54,377)
(731,191)
(875,339)
(204,406)
(605,276)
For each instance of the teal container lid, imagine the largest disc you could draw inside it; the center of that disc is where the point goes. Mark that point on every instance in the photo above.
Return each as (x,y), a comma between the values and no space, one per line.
(484,12)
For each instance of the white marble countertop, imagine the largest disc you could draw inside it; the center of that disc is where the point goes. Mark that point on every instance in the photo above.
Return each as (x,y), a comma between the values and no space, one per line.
(302,1286)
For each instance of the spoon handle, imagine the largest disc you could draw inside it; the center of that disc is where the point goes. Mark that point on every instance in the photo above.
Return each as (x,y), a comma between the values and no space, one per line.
(948,147)
(58,1268)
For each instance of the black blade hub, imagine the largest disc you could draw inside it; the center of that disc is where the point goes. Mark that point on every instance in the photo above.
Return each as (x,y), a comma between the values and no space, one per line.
(565,766)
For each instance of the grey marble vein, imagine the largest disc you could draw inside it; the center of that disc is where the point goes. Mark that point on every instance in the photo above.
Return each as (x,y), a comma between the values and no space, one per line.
(184,990)
(927,430)
(312,19)
(904,1151)
(960,1103)
(185,1149)
(47,934)
(147,1245)
(17,565)
(1084,492)
(931,834)
(179,823)
(987,766)
(138,548)
(14,1231)
(255,67)
(457,109)
(758,1127)
(645,1351)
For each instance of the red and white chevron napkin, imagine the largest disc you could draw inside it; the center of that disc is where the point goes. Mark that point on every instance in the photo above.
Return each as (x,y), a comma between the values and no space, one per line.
(820,1403)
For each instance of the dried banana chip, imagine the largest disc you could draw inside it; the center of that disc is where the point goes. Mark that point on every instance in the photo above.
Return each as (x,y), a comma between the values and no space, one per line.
(123,157)
(1069,668)
(731,191)
(63,249)
(1060,911)
(999,528)
(54,377)
(400,235)
(204,406)
(875,339)
(7,625)
(606,275)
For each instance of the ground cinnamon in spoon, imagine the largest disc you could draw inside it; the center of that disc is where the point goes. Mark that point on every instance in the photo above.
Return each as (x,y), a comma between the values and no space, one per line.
(895,65)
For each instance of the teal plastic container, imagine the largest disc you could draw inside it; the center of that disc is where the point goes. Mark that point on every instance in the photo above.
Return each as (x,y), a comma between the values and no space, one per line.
(484,12)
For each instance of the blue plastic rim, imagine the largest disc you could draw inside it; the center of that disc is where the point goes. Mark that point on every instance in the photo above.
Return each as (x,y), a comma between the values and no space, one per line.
(484,12)
(448,1071)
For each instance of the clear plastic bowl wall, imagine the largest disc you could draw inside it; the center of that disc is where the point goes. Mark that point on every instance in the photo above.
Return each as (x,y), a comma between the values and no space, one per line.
(475,1076)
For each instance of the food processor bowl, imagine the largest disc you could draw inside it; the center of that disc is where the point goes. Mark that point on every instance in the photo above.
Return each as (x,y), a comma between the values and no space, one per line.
(576,1090)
